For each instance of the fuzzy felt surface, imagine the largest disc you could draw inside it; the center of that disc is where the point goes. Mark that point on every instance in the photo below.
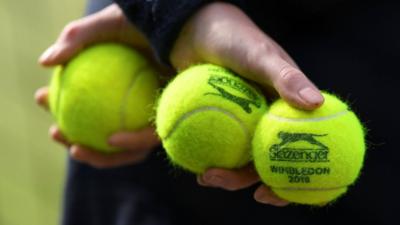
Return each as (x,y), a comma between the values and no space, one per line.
(206,118)
(106,88)
(309,157)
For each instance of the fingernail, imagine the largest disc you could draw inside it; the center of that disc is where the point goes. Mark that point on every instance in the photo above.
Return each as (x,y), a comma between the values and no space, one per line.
(259,197)
(73,151)
(214,180)
(39,96)
(280,203)
(201,181)
(52,130)
(47,54)
(266,199)
(311,96)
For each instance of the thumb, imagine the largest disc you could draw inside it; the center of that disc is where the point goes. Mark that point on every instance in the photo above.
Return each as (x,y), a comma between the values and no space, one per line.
(108,24)
(247,50)
(291,83)
(269,65)
(75,36)
(272,67)
(72,39)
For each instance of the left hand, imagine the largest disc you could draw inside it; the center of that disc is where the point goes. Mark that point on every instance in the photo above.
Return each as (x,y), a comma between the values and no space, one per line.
(137,145)
(109,24)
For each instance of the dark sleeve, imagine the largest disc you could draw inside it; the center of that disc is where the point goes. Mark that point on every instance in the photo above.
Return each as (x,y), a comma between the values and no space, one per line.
(160,20)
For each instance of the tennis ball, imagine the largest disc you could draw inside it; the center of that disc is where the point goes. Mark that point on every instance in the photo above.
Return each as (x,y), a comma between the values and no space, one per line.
(206,118)
(106,88)
(309,157)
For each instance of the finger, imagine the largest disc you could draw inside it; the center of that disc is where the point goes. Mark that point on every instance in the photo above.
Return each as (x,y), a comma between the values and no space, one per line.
(135,141)
(102,160)
(282,53)
(56,135)
(292,84)
(41,97)
(252,54)
(271,66)
(230,179)
(265,195)
(201,181)
(107,25)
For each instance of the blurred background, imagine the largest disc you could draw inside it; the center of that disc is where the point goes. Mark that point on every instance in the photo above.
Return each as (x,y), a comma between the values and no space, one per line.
(31,165)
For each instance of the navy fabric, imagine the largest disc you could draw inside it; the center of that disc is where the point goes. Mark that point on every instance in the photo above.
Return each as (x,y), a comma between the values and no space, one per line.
(93,6)
(346,47)
(160,21)
(121,196)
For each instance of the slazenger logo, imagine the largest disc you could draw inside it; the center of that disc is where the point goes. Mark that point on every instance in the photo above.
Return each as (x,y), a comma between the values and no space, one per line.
(222,84)
(316,151)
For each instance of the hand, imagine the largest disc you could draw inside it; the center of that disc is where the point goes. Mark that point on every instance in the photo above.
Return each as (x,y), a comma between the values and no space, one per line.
(107,25)
(222,34)
(137,145)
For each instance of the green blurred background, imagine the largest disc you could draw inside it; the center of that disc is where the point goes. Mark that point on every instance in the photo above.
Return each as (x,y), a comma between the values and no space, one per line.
(31,165)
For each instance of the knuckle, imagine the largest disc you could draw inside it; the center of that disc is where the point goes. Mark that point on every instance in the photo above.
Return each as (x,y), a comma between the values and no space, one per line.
(74,154)
(260,50)
(266,48)
(119,16)
(289,76)
(51,131)
(71,30)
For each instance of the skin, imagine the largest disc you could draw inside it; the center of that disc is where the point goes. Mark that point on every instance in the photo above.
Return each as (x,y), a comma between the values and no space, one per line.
(218,33)
(222,34)
(106,25)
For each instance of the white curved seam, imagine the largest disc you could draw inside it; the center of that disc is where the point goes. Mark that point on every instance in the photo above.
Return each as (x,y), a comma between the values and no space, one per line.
(203,109)
(309,188)
(216,109)
(125,98)
(285,119)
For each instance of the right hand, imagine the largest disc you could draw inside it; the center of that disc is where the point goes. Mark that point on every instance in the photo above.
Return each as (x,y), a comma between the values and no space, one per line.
(222,34)
(108,24)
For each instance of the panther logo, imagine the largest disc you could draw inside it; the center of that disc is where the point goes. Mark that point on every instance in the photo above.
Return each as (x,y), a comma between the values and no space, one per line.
(222,84)
(290,149)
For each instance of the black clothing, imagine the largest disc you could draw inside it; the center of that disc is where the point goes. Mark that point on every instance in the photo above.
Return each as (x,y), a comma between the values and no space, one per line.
(348,47)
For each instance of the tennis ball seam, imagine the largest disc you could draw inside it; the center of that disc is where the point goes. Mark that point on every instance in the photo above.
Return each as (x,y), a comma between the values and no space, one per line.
(125,98)
(215,109)
(296,177)
(310,188)
(202,109)
(316,119)
(59,92)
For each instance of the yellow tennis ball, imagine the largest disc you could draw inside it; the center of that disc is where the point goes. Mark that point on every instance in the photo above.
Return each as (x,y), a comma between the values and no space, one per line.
(206,118)
(106,88)
(309,157)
